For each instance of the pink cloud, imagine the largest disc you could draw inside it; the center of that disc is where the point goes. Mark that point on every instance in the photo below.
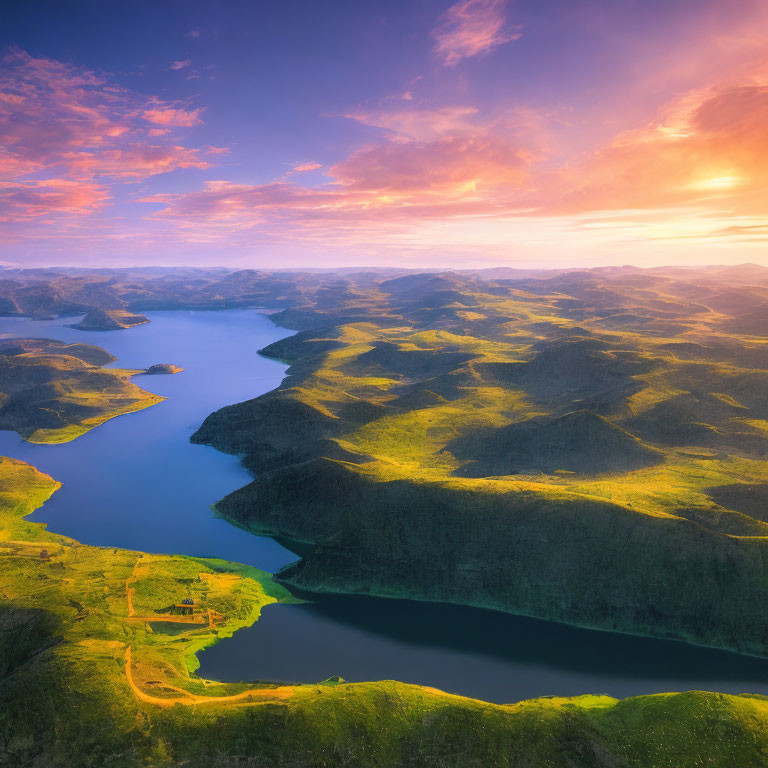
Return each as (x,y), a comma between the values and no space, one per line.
(55,117)
(68,135)
(181,64)
(469,28)
(433,163)
(449,165)
(134,162)
(31,199)
(388,182)
(707,152)
(171,116)
(428,165)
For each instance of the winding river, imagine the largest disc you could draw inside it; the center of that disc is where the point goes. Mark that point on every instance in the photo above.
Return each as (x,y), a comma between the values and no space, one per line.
(137,482)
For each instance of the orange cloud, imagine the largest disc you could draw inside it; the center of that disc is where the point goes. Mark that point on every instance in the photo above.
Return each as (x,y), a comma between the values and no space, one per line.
(134,162)
(177,118)
(469,28)
(706,152)
(389,182)
(431,173)
(450,166)
(708,149)
(306,166)
(433,163)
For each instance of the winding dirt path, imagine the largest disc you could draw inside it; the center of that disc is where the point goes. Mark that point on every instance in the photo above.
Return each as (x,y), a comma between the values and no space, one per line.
(190,699)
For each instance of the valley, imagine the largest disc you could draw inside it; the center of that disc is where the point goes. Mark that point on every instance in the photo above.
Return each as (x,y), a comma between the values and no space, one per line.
(417,432)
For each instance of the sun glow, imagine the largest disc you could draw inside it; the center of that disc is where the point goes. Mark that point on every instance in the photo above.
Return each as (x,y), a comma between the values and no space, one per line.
(719,182)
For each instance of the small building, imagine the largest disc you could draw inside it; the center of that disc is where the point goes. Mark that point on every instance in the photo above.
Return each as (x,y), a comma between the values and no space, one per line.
(186,606)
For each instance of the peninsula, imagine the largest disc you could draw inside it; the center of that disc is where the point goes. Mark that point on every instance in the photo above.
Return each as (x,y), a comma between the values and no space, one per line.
(52,392)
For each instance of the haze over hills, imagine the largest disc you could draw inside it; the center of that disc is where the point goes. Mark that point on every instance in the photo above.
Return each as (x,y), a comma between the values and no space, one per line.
(57,292)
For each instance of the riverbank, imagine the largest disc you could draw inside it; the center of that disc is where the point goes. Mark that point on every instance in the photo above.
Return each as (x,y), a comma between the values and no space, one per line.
(87,678)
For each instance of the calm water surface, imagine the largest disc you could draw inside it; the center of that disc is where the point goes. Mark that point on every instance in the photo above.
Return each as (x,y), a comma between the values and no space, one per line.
(137,482)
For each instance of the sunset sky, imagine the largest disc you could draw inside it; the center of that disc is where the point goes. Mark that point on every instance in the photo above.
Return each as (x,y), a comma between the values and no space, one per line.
(411,133)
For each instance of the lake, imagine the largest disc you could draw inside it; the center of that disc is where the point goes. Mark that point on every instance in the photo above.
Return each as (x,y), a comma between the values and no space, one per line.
(137,482)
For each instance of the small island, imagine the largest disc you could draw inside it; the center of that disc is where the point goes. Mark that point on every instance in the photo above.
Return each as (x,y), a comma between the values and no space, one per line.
(163,368)
(109,320)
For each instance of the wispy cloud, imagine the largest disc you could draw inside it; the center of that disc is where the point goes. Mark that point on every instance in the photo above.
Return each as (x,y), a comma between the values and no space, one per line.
(701,158)
(181,64)
(419,123)
(453,168)
(305,165)
(435,169)
(21,201)
(708,148)
(173,116)
(68,134)
(469,28)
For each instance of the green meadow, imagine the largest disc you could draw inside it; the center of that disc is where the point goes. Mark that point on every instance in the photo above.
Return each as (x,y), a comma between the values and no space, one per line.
(92,675)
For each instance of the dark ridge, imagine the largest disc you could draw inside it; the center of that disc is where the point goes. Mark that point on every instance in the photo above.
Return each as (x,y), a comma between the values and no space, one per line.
(389,358)
(302,345)
(749,498)
(580,442)
(268,459)
(417,399)
(724,521)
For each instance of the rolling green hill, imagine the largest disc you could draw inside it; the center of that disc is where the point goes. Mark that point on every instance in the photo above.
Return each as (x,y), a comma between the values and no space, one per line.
(94,672)
(551,446)
(585,446)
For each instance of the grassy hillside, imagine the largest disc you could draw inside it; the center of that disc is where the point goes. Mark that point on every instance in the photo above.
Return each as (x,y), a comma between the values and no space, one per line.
(94,671)
(52,392)
(566,448)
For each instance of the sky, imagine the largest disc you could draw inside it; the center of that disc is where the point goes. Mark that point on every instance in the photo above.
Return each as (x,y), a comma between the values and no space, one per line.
(405,133)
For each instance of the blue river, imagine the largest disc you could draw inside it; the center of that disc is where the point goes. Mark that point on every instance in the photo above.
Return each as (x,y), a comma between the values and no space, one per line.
(137,482)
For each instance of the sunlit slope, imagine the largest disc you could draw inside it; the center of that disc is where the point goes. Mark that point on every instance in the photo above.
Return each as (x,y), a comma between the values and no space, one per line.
(576,449)
(90,633)
(95,671)
(52,392)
